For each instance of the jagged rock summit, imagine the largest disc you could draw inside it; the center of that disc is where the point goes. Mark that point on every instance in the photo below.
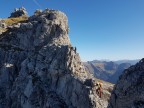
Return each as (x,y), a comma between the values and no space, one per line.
(19,12)
(40,69)
(129,90)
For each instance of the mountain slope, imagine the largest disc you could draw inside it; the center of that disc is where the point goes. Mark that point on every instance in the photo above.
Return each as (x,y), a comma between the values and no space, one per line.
(129,90)
(121,67)
(104,70)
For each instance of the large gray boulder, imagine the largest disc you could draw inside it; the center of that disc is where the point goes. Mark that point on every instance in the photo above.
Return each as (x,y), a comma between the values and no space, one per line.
(129,90)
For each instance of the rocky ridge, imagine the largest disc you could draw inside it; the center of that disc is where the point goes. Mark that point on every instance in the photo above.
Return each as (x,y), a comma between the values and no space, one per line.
(39,68)
(129,90)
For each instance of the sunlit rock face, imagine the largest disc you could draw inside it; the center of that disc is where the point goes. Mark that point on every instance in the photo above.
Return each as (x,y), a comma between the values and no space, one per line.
(40,69)
(129,91)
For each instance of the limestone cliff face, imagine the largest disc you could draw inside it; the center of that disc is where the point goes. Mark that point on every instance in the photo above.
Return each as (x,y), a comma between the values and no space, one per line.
(129,91)
(40,69)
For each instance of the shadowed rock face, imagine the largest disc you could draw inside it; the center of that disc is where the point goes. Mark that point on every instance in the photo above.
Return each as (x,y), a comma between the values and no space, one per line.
(129,91)
(40,69)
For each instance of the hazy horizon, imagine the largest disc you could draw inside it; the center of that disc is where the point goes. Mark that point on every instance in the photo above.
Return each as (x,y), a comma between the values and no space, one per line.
(99,29)
(113,60)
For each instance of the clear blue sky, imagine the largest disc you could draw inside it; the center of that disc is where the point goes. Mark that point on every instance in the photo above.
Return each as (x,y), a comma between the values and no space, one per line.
(100,29)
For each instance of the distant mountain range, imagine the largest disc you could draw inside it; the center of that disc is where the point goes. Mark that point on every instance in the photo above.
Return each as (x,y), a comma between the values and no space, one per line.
(108,70)
(132,62)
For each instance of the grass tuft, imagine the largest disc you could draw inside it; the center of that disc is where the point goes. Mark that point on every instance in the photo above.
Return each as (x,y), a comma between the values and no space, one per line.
(11,21)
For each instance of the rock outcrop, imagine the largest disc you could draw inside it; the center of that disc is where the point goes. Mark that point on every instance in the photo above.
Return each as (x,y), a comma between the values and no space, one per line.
(129,90)
(2,26)
(18,16)
(40,69)
(19,12)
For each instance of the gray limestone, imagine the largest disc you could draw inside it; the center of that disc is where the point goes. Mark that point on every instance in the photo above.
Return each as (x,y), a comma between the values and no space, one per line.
(40,69)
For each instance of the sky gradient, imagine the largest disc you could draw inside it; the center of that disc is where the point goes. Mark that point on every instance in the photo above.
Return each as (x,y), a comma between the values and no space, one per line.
(100,29)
